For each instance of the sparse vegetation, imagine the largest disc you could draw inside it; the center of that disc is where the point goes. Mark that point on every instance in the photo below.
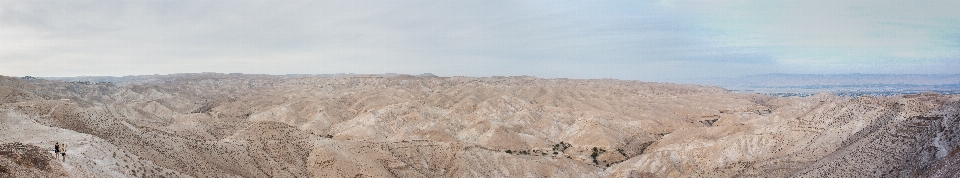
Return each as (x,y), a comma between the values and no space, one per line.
(596,152)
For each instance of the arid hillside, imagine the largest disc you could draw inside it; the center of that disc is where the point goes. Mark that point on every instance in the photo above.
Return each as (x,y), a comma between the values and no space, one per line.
(230,125)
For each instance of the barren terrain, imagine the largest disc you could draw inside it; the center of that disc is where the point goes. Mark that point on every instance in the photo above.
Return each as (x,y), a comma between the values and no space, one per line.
(234,125)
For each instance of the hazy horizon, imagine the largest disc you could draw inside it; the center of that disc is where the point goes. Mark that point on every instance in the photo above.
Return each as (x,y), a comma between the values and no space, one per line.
(390,73)
(664,41)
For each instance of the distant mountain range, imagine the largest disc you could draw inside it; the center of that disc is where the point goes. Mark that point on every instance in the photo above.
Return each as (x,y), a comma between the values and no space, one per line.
(853,84)
(838,83)
(206,75)
(779,79)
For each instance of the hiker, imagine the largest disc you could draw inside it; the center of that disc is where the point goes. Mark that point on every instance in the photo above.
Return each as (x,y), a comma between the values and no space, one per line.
(56,150)
(63,152)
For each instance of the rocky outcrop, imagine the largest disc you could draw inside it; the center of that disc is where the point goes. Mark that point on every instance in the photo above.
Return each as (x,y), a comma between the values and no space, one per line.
(23,160)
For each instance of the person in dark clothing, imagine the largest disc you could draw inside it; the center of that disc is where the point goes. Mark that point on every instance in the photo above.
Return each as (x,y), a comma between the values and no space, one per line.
(56,150)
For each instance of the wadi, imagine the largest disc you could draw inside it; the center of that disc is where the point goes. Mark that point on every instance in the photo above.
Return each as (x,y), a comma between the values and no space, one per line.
(242,125)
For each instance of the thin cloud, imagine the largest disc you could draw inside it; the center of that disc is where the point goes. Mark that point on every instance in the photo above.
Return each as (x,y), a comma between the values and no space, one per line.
(647,40)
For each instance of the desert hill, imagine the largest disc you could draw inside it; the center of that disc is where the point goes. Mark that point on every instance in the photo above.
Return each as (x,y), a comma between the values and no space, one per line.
(229,125)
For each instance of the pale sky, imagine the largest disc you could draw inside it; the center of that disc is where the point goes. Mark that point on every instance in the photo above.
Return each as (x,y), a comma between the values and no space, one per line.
(635,40)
